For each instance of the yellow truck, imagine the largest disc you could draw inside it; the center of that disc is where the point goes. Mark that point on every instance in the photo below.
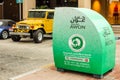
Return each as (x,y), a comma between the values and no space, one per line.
(38,23)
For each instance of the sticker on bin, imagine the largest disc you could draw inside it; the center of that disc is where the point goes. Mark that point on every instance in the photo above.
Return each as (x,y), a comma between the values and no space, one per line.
(76,42)
(76,59)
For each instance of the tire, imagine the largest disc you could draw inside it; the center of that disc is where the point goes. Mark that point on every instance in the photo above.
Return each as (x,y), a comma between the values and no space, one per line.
(15,38)
(38,36)
(4,35)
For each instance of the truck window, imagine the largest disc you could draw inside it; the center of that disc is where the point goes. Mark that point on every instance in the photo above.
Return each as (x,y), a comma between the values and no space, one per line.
(36,14)
(50,15)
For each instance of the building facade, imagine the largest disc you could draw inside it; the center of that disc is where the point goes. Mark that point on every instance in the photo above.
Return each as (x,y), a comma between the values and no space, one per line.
(54,3)
(110,9)
(1,10)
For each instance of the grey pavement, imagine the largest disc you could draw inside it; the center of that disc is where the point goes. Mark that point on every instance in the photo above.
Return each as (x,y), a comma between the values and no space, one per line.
(20,57)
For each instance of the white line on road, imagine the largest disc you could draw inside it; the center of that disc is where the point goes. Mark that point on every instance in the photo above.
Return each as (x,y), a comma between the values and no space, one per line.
(24,74)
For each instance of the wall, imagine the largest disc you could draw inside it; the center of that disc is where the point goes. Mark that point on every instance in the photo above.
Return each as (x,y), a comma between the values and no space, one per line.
(11,10)
(28,4)
(84,3)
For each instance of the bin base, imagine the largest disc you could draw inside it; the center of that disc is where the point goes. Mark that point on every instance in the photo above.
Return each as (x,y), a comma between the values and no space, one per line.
(98,76)
(60,69)
(94,75)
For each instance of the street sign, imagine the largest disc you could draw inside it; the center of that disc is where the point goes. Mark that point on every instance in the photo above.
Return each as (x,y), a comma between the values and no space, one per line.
(19,1)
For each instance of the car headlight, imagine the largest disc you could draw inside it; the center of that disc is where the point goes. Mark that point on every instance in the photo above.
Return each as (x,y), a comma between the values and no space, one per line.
(27,27)
(17,26)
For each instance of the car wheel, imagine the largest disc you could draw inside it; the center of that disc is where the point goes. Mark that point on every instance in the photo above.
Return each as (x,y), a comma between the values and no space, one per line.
(15,38)
(4,35)
(38,36)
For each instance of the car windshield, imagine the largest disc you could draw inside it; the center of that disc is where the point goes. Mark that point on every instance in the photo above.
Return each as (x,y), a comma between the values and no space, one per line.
(36,14)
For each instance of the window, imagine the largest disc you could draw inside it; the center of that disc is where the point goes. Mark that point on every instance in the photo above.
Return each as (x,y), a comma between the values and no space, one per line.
(56,3)
(1,1)
(113,15)
(110,9)
(50,15)
(72,3)
(1,23)
(10,23)
(36,14)
(69,3)
(42,4)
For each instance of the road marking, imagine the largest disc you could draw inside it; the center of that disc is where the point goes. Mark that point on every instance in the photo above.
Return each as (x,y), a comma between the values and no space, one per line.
(30,72)
(24,74)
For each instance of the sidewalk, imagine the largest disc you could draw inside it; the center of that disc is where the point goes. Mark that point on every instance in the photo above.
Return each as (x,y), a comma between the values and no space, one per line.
(49,72)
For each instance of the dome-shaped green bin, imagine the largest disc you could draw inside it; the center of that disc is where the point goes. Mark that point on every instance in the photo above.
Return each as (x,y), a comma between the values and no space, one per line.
(83,41)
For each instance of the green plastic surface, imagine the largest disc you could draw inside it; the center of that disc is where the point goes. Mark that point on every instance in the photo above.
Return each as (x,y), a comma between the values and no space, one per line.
(83,41)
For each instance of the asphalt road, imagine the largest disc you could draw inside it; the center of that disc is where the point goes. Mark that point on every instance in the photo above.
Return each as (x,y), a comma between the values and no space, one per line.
(20,57)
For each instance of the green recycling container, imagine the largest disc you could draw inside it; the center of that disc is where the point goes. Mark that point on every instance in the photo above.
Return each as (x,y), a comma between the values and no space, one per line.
(83,41)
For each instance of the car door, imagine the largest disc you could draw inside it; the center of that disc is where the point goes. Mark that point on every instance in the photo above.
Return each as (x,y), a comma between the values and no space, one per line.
(49,22)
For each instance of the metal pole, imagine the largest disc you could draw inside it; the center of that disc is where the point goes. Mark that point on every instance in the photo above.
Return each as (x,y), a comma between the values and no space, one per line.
(20,11)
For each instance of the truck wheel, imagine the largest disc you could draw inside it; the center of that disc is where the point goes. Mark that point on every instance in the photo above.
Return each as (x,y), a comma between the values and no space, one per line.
(4,35)
(38,36)
(15,38)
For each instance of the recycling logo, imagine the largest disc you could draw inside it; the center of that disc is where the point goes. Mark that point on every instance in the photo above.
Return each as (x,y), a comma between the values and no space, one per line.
(76,43)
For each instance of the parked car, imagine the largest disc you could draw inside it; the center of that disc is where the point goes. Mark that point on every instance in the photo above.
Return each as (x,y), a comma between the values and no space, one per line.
(38,24)
(5,25)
